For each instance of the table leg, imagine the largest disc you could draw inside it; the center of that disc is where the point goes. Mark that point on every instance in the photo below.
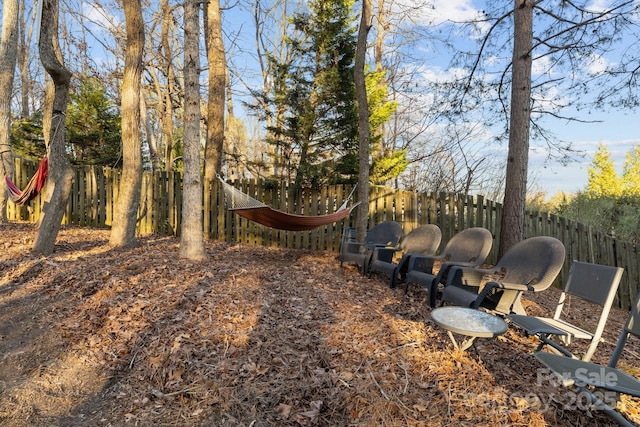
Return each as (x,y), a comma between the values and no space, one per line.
(465,344)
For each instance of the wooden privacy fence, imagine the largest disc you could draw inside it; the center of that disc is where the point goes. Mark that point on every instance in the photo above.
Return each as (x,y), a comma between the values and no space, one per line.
(95,190)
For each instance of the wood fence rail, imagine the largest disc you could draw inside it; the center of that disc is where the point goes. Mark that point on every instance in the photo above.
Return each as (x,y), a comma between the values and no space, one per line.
(95,190)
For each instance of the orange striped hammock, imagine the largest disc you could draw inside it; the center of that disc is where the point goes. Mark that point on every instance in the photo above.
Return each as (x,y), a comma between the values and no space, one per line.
(36,183)
(247,207)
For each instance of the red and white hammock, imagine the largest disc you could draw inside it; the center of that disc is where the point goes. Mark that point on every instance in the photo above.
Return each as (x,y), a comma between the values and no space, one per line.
(254,210)
(22,197)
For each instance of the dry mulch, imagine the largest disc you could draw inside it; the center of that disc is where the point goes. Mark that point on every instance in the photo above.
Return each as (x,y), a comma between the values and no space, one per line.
(254,336)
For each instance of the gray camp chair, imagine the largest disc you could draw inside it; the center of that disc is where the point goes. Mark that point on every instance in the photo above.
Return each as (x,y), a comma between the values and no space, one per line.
(529,266)
(594,283)
(596,381)
(385,234)
(469,247)
(423,240)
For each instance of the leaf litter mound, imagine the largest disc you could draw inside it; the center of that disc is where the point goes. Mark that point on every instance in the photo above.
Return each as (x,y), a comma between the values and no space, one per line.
(254,336)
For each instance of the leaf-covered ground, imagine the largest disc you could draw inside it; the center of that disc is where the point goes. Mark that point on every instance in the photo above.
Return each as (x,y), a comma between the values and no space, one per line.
(254,336)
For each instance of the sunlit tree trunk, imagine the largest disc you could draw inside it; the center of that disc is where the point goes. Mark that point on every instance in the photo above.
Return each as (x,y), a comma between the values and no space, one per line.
(123,229)
(363,121)
(512,229)
(151,137)
(192,235)
(270,53)
(381,32)
(215,107)
(8,51)
(24,42)
(159,105)
(168,103)
(60,176)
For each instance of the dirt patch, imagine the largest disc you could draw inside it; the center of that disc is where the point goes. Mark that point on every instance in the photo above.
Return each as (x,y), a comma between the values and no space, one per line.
(254,336)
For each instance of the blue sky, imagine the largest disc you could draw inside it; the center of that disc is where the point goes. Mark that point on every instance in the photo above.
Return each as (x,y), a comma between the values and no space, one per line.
(619,131)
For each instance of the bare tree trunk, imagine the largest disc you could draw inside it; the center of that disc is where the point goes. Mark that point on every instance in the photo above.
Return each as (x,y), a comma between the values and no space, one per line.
(160,105)
(8,52)
(512,229)
(168,110)
(273,119)
(231,146)
(60,176)
(192,235)
(227,85)
(213,152)
(167,123)
(148,130)
(381,32)
(363,121)
(23,62)
(123,229)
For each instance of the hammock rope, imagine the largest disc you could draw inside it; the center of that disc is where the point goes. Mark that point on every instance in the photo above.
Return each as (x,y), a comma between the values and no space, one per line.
(247,207)
(36,183)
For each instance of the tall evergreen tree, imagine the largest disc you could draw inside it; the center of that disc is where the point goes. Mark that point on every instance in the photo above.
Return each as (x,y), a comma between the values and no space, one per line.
(387,164)
(631,172)
(364,129)
(603,180)
(515,191)
(321,126)
(93,130)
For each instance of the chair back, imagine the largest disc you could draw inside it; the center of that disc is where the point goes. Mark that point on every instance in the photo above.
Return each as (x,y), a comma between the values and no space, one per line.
(535,261)
(348,236)
(470,245)
(595,283)
(387,233)
(422,240)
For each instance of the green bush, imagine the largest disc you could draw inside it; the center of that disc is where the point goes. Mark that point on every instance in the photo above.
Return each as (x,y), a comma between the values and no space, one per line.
(619,216)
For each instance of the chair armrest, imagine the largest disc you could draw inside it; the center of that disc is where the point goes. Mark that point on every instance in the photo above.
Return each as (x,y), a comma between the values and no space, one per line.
(380,245)
(355,247)
(422,263)
(464,276)
(384,254)
(445,269)
(511,286)
(489,287)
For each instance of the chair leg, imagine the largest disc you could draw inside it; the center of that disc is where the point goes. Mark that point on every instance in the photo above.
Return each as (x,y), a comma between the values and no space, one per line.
(598,403)
(545,340)
(433,290)
(394,275)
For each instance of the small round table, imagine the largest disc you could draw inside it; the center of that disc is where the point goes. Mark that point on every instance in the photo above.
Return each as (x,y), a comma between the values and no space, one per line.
(471,323)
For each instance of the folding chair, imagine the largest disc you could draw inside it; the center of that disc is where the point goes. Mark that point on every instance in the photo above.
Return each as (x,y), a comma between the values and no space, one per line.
(594,283)
(594,380)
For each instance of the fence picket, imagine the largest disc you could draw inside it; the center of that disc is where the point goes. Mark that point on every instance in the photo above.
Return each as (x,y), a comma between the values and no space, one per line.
(95,192)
